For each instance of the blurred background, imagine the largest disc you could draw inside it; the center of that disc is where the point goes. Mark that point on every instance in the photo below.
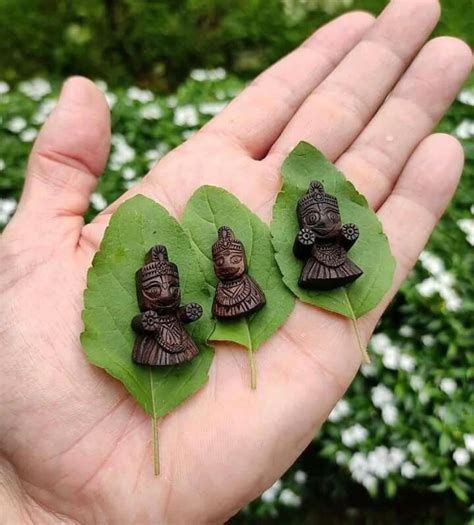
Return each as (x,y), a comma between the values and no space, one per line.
(399,448)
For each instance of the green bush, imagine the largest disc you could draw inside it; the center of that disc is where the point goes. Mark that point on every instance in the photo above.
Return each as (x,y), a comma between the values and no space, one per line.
(407,421)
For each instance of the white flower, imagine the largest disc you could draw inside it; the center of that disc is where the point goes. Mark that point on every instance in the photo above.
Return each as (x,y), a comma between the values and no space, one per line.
(369,482)
(16,124)
(186,115)
(7,207)
(140,95)
(391,358)
(2,164)
(390,414)
(396,457)
(270,494)
(428,287)
(406,331)
(453,301)
(465,129)
(101,84)
(408,470)
(301,477)
(289,498)
(128,173)
(341,457)
(368,370)
(431,263)
(4,87)
(424,397)
(212,108)
(428,340)
(210,74)
(416,382)
(467,226)
(172,101)
(380,342)
(340,411)
(381,396)
(359,466)
(448,385)
(28,135)
(98,201)
(407,363)
(469,442)
(151,112)
(36,88)
(111,99)
(188,133)
(467,97)
(461,457)
(353,435)
(122,152)
(44,109)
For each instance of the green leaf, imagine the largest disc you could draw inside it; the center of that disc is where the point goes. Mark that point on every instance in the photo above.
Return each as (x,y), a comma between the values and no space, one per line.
(208,209)
(110,304)
(371,252)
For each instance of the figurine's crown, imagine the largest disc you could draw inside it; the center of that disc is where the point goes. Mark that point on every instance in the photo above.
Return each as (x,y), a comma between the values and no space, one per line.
(156,263)
(226,241)
(316,195)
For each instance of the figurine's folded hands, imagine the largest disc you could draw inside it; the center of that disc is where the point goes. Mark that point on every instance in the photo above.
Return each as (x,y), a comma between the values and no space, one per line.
(74,446)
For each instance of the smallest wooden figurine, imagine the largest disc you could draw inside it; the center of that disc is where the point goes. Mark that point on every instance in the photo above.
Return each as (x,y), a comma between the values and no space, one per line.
(237,294)
(161,338)
(323,242)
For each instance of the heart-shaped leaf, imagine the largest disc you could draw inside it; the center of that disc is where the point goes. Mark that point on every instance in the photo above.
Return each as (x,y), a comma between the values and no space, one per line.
(208,209)
(371,252)
(111,303)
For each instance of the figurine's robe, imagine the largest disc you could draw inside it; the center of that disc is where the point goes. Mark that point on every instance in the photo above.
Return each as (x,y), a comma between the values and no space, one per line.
(237,298)
(170,344)
(328,267)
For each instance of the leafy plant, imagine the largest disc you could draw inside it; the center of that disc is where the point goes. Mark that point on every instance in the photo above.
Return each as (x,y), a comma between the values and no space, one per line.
(207,210)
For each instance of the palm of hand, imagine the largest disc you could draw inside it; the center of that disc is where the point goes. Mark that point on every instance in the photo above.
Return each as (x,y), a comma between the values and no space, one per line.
(73,440)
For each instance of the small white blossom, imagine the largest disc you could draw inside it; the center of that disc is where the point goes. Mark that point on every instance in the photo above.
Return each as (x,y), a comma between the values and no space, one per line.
(98,201)
(128,173)
(407,363)
(139,95)
(16,124)
(289,498)
(467,97)
(36,89)
(172,101)
(340,411)
(301,477)
(2,164)
(381,396)
(7,207)
(353,435)
(428,287)
(380,342)
(448,385)
(208,74)
(416,382)
(424,397)
(431,263)
(150,112)
(461,457)
(465,129)
(406,331)
(467,226)
(4,87)
(101,84)
(391,358)
(44,110)
(408,470)
(369,482)
(368,370)
(28,135)
(187,134)
(186,115)
(212,108)
(469,442)
(111,99)
(341,457)
(122,152)
(271,493)
(428,340)
(390,414)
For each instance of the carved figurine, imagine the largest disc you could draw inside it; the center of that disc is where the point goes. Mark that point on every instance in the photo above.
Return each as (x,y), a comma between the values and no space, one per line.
(161,338)
(237,294)
(324,242)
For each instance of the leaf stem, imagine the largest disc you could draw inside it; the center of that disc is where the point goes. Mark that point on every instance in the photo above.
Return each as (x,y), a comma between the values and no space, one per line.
(362,346)
(253,369)
(154,430)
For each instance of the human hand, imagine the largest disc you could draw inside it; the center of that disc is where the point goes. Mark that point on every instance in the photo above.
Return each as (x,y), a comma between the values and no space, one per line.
(75,447)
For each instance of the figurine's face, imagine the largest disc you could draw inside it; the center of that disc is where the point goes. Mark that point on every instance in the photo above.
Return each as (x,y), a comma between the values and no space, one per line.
(160,292)
(229,265)
(324,219)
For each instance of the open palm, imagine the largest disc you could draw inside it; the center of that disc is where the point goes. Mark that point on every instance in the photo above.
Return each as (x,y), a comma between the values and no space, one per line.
(75,447)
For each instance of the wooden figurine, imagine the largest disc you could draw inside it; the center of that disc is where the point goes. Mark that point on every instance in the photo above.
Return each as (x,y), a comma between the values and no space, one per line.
(237,294)
(161,338)
(323,242)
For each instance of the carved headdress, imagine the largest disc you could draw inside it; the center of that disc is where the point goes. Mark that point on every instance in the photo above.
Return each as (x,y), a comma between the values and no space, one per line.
(226,241)
(316,196)
(156,264)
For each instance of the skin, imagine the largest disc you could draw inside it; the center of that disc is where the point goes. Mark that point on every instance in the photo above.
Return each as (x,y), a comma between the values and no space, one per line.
(75,448)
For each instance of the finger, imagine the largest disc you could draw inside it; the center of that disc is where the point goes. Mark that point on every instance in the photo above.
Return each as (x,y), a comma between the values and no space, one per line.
(68,155)
(258,115)
(338,109)
(419,198)
(374,161)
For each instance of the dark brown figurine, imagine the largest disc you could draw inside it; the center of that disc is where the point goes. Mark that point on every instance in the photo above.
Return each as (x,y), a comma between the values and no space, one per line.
(161,337)
(324,242)
(237,294)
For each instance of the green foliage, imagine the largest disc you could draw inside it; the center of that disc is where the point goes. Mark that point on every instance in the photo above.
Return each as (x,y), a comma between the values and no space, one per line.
(371,252)
(110,304)
(207,210)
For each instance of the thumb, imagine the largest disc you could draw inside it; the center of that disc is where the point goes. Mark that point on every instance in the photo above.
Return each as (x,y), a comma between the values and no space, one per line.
(69,154)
